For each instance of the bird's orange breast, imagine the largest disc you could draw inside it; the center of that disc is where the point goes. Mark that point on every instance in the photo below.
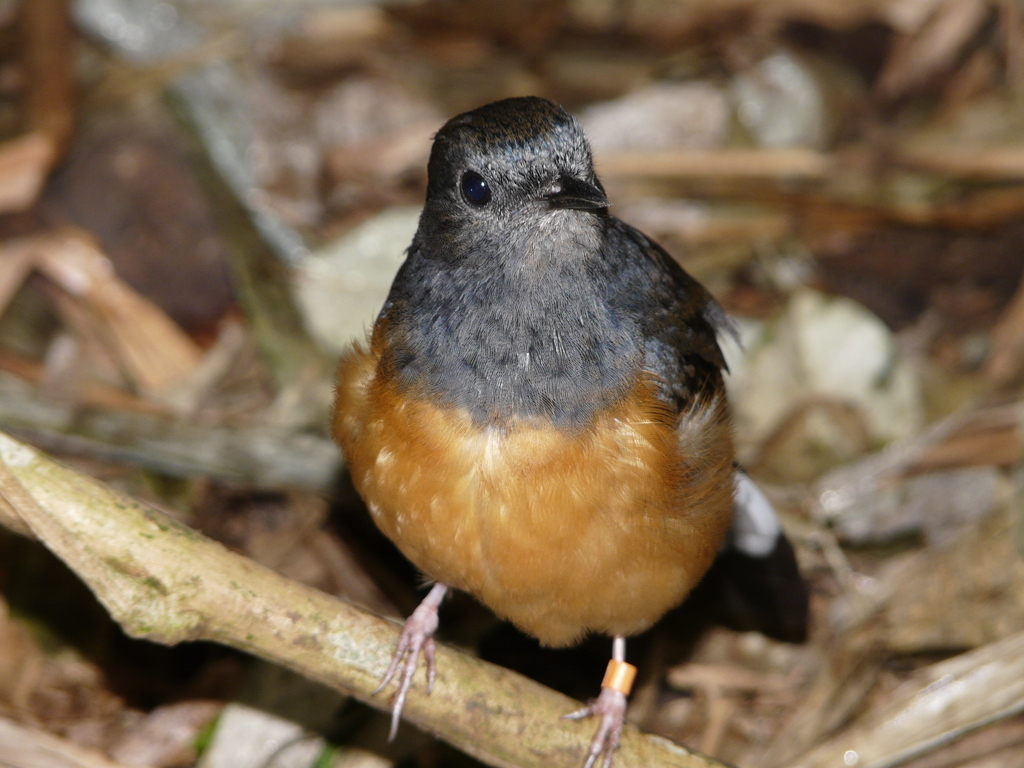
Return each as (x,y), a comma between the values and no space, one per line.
(561,532)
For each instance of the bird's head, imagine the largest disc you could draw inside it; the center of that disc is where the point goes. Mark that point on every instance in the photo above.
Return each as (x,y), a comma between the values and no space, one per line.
(516,170)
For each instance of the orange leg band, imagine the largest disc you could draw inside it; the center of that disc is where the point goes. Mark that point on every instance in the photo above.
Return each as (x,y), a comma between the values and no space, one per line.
(619,676)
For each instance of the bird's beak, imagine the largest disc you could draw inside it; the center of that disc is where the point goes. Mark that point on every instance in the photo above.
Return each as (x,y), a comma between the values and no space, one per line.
(576,194)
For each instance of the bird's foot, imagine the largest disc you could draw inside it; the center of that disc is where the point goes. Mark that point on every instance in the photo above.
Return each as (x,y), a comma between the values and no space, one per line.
(610,706)
(417,636)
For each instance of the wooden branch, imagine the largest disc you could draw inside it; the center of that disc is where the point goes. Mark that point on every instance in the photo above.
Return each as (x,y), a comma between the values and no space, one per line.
(1000,163)
(731,163)
(46,26)
(25,162)
(260,279)
(995,163)
(938,705)
(166,583)
(260,454)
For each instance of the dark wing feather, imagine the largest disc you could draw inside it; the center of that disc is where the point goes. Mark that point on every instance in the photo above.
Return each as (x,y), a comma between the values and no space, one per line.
(680,321)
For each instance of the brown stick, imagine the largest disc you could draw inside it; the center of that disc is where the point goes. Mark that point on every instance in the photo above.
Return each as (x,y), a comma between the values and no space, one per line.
(25,162)
(26,747)
(166,583)
(733,163)
(995,163)
(986,163)
(51,99)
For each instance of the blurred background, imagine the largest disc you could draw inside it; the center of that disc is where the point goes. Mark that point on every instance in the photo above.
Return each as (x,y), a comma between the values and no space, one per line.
(203,201)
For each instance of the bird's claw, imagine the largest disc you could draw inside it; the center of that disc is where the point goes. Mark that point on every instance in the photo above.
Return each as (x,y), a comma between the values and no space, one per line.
(417,636)
(610,706)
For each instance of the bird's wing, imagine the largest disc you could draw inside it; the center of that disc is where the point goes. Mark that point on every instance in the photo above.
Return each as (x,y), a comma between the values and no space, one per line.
(680,321)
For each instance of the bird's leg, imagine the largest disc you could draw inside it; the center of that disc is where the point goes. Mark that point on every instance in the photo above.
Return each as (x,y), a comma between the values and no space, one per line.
(610,706)
(417,635)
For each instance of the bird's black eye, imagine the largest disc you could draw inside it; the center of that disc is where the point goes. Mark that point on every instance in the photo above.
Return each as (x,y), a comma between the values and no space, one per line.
(475,189)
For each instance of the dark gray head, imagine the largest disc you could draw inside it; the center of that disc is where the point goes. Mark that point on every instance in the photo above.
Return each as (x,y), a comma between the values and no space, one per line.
(514,169)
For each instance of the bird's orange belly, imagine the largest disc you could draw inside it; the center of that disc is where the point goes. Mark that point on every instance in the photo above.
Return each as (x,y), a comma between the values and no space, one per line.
(559,532)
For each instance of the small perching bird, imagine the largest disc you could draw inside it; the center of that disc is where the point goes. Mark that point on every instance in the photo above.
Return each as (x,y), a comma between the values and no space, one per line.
(540,418)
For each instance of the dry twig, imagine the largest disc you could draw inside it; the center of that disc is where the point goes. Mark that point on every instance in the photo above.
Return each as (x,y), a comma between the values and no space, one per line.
(942,703)
(734,163)
(25,162)
(112,319)
(23,747)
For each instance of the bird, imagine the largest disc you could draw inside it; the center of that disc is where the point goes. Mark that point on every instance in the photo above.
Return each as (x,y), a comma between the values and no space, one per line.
(539,416)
